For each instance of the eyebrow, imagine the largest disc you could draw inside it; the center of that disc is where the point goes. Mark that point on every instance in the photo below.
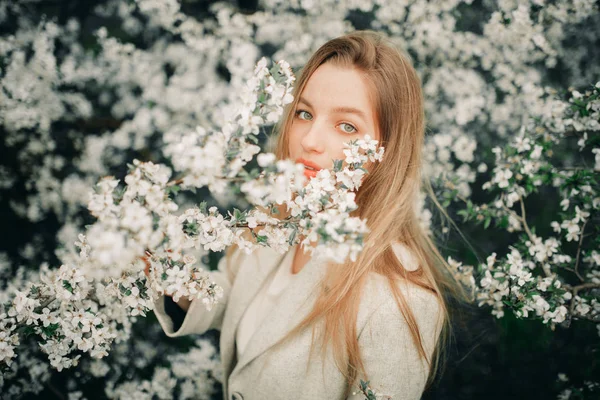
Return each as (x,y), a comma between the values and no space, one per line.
(348,110)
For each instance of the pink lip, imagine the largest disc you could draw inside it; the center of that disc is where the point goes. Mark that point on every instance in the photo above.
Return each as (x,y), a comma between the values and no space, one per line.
(309,164)
(307,172)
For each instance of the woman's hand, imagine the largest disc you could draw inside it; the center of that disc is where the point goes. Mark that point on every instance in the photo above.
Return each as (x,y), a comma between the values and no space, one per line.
(147,269)
(183,303)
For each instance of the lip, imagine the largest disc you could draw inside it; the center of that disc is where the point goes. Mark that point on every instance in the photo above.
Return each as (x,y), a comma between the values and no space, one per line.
(309,164)
(307,172)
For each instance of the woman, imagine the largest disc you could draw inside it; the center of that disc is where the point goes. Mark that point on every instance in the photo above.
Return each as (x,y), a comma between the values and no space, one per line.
(382,318)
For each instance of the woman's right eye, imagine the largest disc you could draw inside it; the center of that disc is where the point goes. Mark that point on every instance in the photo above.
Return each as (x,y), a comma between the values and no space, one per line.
(303,114)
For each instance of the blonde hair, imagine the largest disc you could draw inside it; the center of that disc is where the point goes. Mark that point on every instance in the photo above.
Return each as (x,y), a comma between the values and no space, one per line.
(386,199)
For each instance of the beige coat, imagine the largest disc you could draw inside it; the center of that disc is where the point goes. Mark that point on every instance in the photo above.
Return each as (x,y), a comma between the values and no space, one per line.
(390,357)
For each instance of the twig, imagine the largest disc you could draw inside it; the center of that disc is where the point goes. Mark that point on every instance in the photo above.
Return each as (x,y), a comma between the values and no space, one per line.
(585,286)
(524,219)
(576,290)
(180,180)
(579,252)
(567,268)
(175,182)
(47,303)
(595,319)
(469,352)
(56,392)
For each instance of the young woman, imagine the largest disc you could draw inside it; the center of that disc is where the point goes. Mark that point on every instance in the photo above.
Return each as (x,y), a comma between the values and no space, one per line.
(295,328)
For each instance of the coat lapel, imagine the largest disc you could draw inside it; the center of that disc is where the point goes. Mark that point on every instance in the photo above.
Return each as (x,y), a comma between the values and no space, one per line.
(254,270)
(293,307)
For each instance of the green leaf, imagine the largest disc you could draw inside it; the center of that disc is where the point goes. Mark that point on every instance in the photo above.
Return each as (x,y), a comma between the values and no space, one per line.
(203,207)
(173,189)
(261,239)
(34,290)
(292,237)
(254,173)
(67,286)
(49,330)
(238,216)
(503,222)
(464,213)
(28,330)
(337,165)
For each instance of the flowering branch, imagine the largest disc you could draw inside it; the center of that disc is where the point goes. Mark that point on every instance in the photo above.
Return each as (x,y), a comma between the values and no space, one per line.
(521,168)
(84,306)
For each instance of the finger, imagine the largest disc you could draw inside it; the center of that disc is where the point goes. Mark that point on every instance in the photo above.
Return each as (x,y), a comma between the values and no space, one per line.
(147,262)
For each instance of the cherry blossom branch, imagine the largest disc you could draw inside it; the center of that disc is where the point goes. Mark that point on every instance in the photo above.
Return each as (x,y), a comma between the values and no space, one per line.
(523,218)
(575,290)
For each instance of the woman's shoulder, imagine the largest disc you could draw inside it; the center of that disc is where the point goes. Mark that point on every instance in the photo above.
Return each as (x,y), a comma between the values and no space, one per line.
(379,295)
(379,314)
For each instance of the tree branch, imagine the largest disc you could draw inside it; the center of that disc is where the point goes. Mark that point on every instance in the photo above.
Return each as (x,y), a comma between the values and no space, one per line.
(523,217)
(576,289)
(579,252)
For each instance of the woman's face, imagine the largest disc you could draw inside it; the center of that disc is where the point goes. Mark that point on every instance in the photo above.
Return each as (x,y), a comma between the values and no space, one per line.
(333,109)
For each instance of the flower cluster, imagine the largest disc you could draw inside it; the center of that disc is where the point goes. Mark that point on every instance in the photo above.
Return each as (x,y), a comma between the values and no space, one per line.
(569,391)
(205,158)
(551,273)
(191,375)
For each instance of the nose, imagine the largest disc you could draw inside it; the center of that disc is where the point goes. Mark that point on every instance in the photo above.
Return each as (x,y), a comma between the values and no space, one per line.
(312,141)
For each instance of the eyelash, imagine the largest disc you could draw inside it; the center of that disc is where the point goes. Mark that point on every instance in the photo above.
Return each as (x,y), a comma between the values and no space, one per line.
(297,114)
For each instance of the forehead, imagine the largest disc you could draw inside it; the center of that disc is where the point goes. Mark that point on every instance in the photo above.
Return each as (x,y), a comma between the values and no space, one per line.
(334,86)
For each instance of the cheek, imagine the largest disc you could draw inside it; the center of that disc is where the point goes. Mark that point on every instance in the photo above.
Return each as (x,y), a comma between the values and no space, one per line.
(336,149)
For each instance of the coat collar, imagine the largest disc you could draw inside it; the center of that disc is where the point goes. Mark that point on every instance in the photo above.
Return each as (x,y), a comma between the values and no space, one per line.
(294,305)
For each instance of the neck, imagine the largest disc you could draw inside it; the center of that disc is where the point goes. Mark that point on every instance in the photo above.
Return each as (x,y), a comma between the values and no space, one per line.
(310,244)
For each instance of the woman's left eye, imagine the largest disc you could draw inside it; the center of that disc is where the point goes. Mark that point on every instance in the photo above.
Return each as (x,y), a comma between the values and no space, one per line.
(349,128)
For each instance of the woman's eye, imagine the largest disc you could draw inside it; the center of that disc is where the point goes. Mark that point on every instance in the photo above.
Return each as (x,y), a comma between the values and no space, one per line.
(348,128)
(303,115)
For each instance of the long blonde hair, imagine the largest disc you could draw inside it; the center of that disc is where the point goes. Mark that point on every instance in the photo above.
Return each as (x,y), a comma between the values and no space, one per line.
(386,199)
